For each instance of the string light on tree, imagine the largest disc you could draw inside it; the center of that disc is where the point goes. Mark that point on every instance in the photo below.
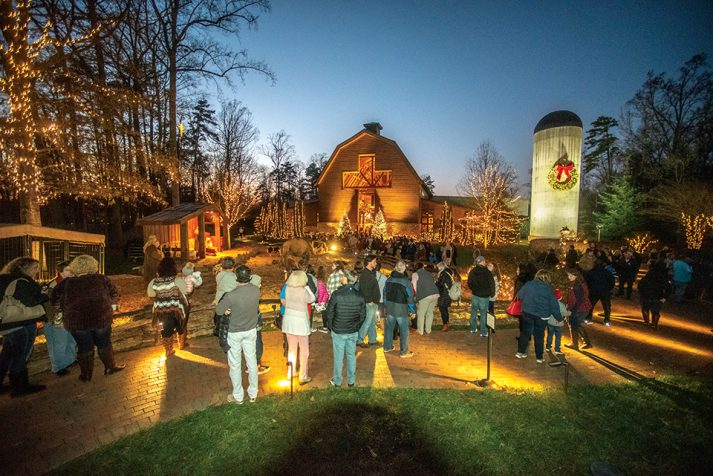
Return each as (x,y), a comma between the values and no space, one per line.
(345,227)
(695,228)
(642,242)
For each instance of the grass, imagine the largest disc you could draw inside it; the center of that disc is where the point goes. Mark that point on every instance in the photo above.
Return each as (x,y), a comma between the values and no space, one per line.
(650,428)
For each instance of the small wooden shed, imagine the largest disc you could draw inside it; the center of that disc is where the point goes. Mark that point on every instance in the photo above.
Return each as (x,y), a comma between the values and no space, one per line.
(50,246)
(186,228)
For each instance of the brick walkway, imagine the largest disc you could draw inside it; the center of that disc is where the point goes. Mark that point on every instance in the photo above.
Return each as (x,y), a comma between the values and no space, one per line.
(45,430)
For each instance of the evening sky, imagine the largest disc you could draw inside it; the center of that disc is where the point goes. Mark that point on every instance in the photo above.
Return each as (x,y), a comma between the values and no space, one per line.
(443,76)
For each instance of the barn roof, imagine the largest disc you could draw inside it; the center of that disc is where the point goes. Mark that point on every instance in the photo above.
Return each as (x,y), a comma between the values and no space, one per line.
(375,136)
(177,214)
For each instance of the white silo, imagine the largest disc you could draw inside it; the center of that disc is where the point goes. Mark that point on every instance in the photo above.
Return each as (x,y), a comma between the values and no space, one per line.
(556,174)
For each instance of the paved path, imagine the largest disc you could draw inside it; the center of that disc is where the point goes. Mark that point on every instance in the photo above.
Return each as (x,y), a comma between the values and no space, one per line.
(45,430)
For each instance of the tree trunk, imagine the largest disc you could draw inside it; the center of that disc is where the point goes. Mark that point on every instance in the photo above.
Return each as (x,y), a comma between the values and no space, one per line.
(30,208)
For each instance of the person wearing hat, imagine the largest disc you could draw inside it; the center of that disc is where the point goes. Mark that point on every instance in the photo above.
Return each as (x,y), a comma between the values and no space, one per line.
(482,286)
(242,305)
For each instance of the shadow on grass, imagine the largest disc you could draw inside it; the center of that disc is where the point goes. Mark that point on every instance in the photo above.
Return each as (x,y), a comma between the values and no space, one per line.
(692,401)
(357,438)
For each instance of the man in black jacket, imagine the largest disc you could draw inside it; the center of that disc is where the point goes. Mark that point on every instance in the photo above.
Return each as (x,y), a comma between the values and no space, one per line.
(482,285)
(601,283)
(345,315)
(369,290)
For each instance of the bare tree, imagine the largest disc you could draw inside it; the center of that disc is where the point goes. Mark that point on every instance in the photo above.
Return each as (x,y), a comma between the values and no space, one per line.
(668,126)
(282,155)
(235,173)
(491,183)
(186,29)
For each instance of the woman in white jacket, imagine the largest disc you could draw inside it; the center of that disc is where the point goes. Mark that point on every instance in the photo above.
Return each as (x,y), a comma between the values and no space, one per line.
(295,322)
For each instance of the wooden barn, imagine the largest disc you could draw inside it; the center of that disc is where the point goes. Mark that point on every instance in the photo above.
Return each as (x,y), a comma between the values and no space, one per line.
(369,172)
(190,230)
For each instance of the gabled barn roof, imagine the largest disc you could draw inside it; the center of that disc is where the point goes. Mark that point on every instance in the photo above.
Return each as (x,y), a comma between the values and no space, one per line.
(356,137)
(177,214)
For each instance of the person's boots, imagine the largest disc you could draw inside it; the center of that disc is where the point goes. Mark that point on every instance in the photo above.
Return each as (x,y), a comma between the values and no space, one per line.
(86,365)
(183,339)
(574,336)
(168,346)
(107,357)
(444,328)
(645,315)
(655,320)
(585,336)
(21,385)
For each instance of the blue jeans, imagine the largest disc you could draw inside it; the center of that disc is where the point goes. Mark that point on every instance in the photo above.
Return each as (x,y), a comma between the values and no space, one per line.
(403,323)
(368,327)
(679,291)
(344,344)
(479,304)
(61,347)
(88,338)
(16,349)
(557,332)
(532,326)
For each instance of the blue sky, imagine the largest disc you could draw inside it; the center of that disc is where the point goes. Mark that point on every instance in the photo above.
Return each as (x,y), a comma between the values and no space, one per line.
(443,76)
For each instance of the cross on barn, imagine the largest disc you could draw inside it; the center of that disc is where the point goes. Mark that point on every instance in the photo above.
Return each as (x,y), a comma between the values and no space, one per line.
(367,173)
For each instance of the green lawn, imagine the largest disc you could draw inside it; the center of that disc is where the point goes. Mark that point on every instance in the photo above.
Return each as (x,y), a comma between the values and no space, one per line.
(643,428)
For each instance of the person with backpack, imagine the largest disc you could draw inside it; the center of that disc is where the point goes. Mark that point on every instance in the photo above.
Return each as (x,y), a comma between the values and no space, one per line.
(398,299)
(19,337)
(444,283)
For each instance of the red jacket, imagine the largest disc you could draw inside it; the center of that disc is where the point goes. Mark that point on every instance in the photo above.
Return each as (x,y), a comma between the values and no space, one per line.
(578,298)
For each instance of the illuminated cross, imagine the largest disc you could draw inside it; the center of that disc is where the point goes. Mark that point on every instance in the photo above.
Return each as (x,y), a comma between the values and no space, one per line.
(367,176)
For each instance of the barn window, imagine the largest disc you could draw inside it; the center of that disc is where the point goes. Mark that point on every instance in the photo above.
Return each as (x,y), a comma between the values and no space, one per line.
(427,223)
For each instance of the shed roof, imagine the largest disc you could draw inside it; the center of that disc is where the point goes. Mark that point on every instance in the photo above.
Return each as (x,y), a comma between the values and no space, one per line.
(177,214)
(9,230)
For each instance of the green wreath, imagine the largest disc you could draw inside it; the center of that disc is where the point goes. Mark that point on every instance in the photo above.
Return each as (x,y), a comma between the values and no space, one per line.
(552,180)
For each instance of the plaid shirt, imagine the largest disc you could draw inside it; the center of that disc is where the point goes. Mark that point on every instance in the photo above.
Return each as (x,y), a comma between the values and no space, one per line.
(334,281)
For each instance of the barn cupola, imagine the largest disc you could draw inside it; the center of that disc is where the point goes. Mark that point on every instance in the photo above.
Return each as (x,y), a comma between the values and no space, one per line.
(373,127)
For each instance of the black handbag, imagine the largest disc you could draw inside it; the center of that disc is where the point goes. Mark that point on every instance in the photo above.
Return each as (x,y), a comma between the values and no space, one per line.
(278,320)
(223,324)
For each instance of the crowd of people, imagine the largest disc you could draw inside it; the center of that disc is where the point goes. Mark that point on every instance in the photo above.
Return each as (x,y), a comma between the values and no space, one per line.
(353,300)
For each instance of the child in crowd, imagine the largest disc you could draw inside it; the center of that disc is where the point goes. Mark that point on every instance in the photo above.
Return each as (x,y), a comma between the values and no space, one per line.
(191,277)
(554,327)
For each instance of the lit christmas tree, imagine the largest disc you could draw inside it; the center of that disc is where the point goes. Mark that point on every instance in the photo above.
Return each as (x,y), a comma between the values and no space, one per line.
(379,228)
(345,226)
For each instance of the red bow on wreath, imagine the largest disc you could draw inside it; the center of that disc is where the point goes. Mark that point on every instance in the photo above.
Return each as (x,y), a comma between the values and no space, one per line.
(566,169)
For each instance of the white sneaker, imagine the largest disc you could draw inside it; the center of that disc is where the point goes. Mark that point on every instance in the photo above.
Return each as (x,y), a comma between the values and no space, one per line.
(520,356)
(231,399)
(540,361)
(252,400)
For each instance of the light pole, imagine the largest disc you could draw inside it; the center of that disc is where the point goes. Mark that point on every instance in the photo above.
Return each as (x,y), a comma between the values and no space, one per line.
(599,233)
